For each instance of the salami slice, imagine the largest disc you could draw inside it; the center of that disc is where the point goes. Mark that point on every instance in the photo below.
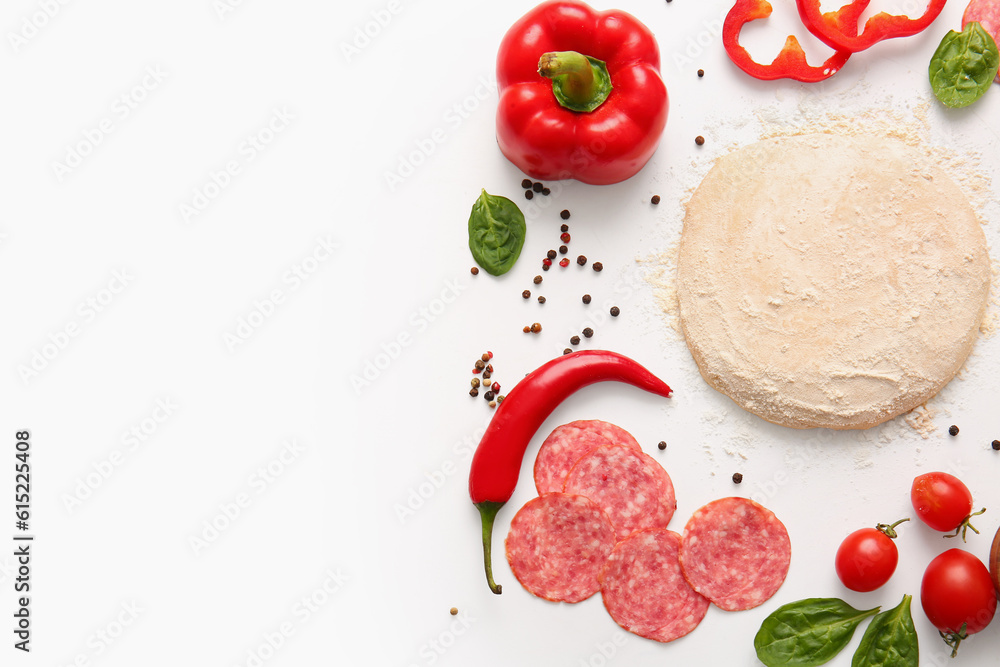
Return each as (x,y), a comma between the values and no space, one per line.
(735,552)
(557,545)
(564,447)
(616,434)
(645,591)
(987,12)
(631,487)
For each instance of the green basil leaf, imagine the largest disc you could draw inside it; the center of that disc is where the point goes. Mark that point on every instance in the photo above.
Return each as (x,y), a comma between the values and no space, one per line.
(808,632)
(496,233)
(964,66)
(890,640)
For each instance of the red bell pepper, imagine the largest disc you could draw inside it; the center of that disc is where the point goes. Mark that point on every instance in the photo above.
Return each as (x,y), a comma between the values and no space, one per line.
(580,94)
(791,61)
(839,29)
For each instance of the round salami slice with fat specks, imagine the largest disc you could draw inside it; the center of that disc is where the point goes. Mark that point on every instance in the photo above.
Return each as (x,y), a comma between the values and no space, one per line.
(568,443)
(645,591)
(631,487)
(735,552)
(558,544)
(987,12)
(616,434)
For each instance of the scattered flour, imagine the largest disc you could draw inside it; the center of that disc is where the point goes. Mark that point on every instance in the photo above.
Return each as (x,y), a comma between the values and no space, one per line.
(921,420)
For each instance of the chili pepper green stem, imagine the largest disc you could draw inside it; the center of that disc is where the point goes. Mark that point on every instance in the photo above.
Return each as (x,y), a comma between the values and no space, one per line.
(488,511)
(579,82)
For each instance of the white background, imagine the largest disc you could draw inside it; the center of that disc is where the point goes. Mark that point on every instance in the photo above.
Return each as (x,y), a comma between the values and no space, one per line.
(353,548)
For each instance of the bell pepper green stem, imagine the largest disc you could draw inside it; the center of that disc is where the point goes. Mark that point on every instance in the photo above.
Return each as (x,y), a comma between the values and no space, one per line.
(579,82)
(488,511)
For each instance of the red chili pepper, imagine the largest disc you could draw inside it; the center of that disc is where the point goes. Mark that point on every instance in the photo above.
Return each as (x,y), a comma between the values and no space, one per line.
(790,62)
(580,93)
(497,461)
(839,29)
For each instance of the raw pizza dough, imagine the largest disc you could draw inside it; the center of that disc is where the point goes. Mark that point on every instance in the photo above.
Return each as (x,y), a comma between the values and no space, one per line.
(829,280)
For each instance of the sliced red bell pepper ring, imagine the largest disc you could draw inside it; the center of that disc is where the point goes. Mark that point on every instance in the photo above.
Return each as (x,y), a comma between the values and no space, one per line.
(839,29)
(791,61)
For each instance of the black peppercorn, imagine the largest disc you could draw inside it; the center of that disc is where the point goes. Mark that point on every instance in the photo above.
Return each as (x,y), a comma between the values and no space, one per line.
(575,340)
(588,332)
(581,260)
(537,280)
(598,266)
(952,430)
(563,249)
(654,200)
(564,214)
(526,294)
(528,194)
(551,254)
(586,298)
(662,445)
(737,478)
(526,183)
(537,186)
(615,311)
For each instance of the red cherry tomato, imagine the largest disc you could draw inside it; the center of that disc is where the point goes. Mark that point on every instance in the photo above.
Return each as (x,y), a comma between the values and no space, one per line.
(867,558)
(957,595)
(943,502)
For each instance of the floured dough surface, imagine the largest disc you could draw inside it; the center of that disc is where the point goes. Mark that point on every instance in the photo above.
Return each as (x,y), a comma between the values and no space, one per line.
(829,280)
